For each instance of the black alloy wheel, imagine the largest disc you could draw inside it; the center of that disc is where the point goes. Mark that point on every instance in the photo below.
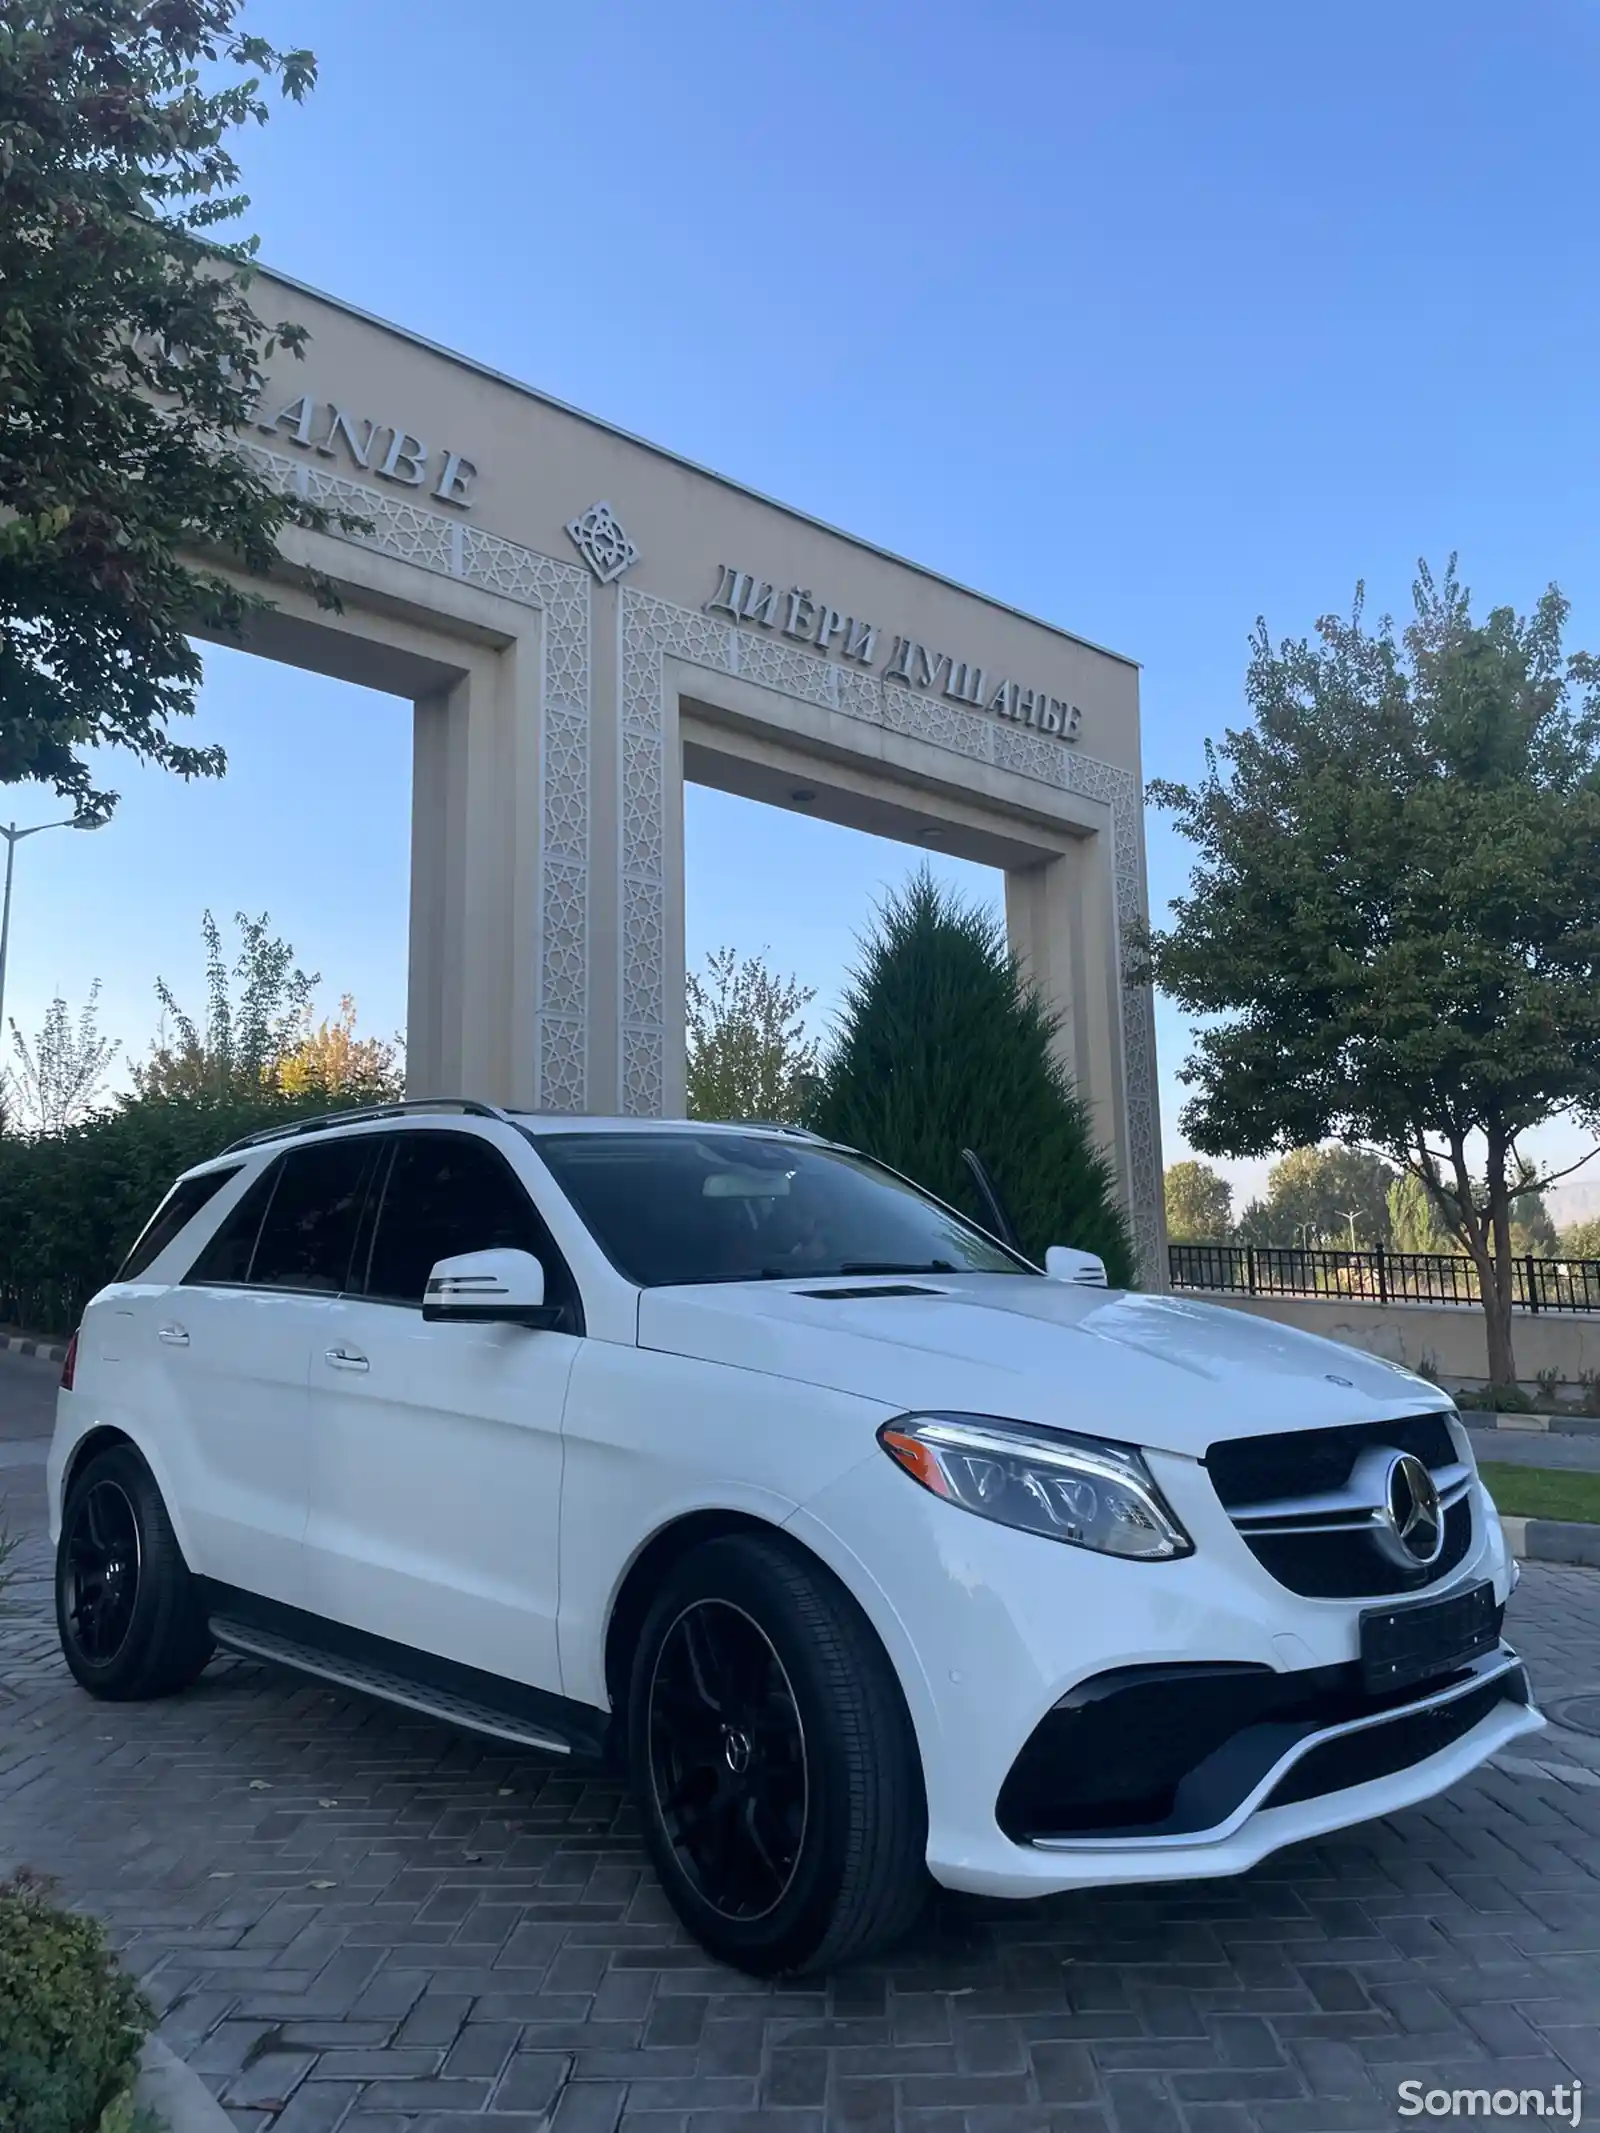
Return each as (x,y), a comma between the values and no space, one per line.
(103,1561)
(728,1759)
(128,1612)
(774,1760)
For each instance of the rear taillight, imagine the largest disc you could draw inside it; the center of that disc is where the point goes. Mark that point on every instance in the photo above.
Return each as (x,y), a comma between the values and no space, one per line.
(69,1364)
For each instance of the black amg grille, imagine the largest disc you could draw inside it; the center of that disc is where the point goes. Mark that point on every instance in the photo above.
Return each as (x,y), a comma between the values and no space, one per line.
(1246,1470)
(1342,1563)
(1171,1750)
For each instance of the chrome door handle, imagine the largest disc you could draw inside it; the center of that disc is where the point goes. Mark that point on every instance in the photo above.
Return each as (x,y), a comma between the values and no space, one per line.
(174,1336)
(347,1359)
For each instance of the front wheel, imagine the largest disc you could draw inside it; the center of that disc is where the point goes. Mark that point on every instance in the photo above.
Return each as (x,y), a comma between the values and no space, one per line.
(127,1612)
(774,1762)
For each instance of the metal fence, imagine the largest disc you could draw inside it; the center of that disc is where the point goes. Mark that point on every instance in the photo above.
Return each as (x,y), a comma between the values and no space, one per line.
(1378,1277)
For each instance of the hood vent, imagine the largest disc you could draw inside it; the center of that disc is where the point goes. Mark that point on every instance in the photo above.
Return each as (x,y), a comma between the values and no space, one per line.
(882,1288)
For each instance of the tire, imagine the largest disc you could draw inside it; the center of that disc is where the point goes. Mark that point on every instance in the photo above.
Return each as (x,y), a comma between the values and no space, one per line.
(774,1762)
(127,1611)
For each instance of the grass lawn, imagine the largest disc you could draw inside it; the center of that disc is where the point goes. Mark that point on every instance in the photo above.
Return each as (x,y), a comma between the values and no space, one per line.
(1543,1491)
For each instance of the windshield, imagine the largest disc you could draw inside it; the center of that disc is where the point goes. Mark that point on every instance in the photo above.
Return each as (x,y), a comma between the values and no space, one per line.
(670,1208)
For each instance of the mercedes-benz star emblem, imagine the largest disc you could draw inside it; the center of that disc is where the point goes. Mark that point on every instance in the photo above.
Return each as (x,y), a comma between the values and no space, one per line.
(1412,1527)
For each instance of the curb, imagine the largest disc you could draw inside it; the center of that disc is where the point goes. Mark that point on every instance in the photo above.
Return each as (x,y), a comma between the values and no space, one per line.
(23,1344)
(1552,1540)
(1537,1425)
(175,2093)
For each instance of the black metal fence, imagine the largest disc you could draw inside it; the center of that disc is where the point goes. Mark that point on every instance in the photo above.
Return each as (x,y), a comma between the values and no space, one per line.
(1378,1277)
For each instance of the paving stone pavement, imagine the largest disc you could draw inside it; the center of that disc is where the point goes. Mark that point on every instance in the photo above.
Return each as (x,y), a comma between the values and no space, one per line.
(352,1918)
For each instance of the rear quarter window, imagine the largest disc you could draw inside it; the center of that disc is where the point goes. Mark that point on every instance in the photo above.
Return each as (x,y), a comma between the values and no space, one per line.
(172,1217)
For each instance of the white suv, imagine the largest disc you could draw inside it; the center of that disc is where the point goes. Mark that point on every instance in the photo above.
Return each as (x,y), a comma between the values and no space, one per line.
(871,1550)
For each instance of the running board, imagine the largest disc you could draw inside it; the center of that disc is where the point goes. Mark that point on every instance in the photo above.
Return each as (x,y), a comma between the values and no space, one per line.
(349,1673)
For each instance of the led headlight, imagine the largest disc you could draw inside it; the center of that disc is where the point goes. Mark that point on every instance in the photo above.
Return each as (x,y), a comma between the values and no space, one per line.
(1072,1489)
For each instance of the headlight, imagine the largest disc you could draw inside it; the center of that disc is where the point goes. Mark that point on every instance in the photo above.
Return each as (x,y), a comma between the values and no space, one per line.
(1072,1489)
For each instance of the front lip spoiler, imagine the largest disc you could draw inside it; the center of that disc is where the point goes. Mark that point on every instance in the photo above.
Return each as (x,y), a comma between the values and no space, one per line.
(1494,1666)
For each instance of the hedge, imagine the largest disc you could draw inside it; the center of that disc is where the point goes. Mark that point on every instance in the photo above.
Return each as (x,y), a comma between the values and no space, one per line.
(71,2024)
(72,1203)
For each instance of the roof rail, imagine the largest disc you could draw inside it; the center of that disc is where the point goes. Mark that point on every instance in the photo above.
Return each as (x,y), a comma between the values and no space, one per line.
(778,1125)
(291,1128)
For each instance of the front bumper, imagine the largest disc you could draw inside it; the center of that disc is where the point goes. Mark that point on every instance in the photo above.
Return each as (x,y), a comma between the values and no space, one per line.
(990,1630)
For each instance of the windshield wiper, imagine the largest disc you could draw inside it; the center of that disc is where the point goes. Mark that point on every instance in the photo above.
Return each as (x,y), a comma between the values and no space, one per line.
(896,1266)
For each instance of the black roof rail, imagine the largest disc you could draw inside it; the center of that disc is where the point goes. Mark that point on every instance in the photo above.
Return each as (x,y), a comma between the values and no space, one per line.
(777,1125)
(291,1128)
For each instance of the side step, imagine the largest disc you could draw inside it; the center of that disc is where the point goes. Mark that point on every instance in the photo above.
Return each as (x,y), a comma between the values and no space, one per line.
(351,1673)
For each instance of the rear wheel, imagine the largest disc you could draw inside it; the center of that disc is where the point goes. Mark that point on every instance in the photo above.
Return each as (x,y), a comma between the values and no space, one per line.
(127,1611)
(774,1762)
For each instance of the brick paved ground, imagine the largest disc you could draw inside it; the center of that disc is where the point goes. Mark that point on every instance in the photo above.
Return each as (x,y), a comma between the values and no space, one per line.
(351,1918)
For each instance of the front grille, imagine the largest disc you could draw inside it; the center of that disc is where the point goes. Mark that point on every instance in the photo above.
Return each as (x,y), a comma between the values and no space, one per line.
(1303,1462)
(1160,1751)
(1345,1566)
(1342,1560)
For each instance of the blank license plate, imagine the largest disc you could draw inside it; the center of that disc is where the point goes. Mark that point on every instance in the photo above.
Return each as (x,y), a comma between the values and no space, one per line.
(1400,1645)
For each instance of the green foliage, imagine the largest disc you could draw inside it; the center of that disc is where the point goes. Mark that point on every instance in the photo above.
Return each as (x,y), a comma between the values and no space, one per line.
(1199,1204)
(1415,1223)
(1532,1228)
(58,1078)
(72,1204)
(71,2024)
(1323,1196)
(1394,921)
(237,1050)
(749,1055)
(1580,1240)
(943,1046)
(128,353)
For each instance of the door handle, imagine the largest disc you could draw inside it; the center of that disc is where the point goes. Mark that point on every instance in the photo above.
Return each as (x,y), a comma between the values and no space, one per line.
(347,1359)
(174,1336)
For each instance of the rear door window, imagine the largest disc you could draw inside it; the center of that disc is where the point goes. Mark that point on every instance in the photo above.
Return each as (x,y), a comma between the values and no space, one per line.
(225,1261)
(309,1230)
(171,1218)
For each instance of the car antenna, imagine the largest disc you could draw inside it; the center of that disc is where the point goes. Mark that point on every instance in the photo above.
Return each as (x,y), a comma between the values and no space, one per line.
(1000,1221)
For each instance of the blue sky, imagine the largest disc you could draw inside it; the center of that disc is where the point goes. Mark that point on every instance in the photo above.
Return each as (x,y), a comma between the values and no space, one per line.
(1146,317)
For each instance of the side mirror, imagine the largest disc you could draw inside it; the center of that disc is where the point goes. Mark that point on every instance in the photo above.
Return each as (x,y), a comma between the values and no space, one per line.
(487,1288)
(1082,1269)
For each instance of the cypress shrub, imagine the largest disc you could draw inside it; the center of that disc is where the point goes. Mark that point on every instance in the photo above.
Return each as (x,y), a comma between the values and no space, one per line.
(71,2024)
(942,1045)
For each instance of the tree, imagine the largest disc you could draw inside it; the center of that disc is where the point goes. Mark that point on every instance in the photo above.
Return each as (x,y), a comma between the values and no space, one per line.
(331,1060)
(1395,913)
(237,1053)
(941,1046)
(1199,1204)
(58,1079)
(1580,1240)
(749,1054)
(1415,1223)
(129,355)
(1327,1196)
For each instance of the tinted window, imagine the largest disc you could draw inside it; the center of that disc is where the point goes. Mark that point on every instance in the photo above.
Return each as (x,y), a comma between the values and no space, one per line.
(175,1213)
(310,1226)
(684,1207)
(227,1257)
(448,1193)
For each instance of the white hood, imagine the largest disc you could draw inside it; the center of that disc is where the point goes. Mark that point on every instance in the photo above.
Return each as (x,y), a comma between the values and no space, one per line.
(1162,1371)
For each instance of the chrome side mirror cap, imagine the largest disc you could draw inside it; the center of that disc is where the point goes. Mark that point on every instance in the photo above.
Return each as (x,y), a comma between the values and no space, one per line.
(1082,1269)
(487,1288)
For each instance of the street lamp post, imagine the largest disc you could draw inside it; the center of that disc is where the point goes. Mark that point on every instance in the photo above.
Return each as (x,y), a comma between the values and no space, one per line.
(14,837)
